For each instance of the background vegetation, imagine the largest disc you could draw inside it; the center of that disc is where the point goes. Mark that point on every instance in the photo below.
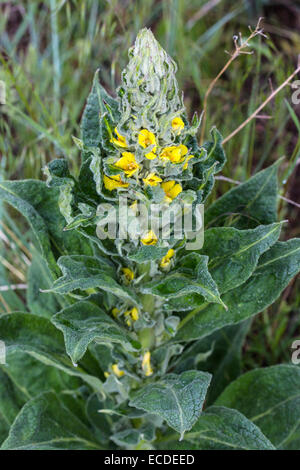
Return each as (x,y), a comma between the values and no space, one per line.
(49,51)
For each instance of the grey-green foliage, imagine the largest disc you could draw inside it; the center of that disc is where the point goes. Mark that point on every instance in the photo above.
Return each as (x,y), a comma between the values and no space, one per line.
(176,398)
(85,322)
(45,423)
(191,276)
(221,428)
(157,100)
(270,398)
(121,346)
(273,273)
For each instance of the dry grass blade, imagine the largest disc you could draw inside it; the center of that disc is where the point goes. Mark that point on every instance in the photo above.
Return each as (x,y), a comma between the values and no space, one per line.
(257,111)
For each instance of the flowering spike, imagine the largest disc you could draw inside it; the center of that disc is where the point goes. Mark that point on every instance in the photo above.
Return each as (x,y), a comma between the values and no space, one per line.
(149,91)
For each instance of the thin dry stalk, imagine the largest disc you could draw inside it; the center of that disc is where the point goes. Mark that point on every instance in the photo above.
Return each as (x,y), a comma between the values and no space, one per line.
(202,12)
(12,269)
(16,240)
(6,306)
(240,46)
(256,112)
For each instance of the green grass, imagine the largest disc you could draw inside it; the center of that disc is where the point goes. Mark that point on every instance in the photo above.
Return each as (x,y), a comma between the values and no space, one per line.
(50,50)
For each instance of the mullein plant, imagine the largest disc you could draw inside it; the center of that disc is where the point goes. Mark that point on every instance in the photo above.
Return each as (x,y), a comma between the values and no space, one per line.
(135,342)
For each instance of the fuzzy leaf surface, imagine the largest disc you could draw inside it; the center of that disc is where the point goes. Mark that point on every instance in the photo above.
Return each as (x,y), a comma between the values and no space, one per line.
(178,399)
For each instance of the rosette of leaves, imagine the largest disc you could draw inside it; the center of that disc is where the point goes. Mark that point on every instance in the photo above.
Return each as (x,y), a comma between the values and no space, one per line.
(136,343)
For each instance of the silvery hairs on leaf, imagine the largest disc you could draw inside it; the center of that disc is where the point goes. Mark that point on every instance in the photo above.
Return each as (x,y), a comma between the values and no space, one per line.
(149,91)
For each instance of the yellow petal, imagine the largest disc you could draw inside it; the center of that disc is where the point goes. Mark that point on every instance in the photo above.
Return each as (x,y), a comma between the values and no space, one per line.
(177,124)
(177,189)
(168,185)
(183,149)
(146,364)
(133,313)
(149,239)
(117,371)
(147,138)
(167,258)
(152,179)
(128,274)
(114,182)
(186,161)
(127,163)
(150,156)
(115,312)
(171,189)
(167,151)
(120,141)
(175,153)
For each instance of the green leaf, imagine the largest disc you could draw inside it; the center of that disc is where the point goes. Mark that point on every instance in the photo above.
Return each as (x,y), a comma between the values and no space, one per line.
(4,429)
(178,399)
(85,322)
(85,272)
(212,163)
(233,254)
(25,196)
(39,278)
(269,397)
(35,335)
(192,277)
(214,149)
(86,180)
(220,428)
(274,271)
(39,204)
(101,422)
(252,203)
(58,172)
(93,111)
(46,423)
(90,124)
(218,354)
(147,253)
(11,399)
(39,377)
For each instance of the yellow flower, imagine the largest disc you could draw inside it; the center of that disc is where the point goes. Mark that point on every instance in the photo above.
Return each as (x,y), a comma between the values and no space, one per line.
(132,314)
(177,124)
(117,371)
(186,161)
(129,275)
(175,153)
(120,141)
(114,182)
(171,189)
(145,139)
(167,258)
(146,364)
(115,312)
(127,163)
(106,374)
(152,179)
(150,238)
(150,155)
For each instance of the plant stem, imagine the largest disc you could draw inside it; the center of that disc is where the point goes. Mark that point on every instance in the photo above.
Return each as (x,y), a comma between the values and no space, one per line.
(257,111)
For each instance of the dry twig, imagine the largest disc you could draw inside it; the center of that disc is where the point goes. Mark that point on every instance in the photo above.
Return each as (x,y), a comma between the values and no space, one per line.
(240,46)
